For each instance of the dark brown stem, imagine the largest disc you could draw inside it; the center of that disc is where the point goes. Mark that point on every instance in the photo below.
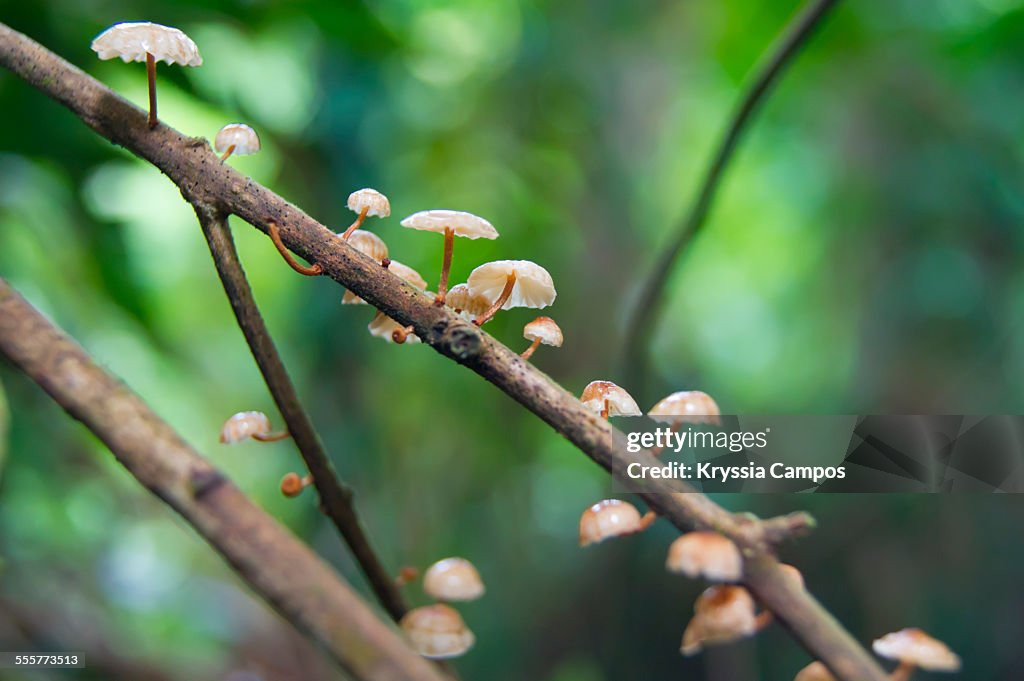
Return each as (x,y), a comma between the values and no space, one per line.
(275,235)
(528,352)
(151,76)
(355,225)
(446,266)
(227,154)
(271,437)
(270,559)
(335,498)
(510,284)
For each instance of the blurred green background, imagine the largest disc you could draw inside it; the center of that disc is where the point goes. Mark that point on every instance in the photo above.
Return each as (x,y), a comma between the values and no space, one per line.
(864,256)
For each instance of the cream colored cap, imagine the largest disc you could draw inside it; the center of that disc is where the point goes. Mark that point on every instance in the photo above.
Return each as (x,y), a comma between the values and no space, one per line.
(461,223)
(132,41)
(533,287)
(241,136)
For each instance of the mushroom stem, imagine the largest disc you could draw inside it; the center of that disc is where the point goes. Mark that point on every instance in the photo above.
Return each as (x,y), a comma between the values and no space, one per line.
(230,150)
(607,410)
(271,437)
(446,266)
(275,236)
(151,74)
(399,335)
(902,673)
(647,520)
(763,619)
(355,225)
(528,352)
(510,283)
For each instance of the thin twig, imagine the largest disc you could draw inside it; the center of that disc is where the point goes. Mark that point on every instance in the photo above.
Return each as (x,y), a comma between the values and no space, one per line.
(644,317)
(272,561)
(335,497)
(195,169)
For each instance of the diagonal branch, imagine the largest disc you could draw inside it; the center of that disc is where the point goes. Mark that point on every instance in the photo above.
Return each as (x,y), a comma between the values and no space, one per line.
(272,561)
(196,170)
(335,497)
(645,314)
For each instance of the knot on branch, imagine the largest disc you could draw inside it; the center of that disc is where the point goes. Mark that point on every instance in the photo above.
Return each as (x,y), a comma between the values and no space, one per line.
(203,481)
(460,340)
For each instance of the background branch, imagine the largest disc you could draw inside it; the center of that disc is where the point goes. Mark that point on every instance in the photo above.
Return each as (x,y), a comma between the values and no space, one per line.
(196,170)
(335,497)
(275,564)
(648,306)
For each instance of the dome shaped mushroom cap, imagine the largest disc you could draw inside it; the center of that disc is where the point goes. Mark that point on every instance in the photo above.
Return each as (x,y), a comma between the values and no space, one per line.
(706,554)
(692,406)
(131,41)
(437,631)
(375,203)
(461,223)
(620,402)
(241,136)
(382,326)
(244,425)
(407,274)
(608,518)
(915,647)
(544,329)
(459,298)
(723,613)
(453,579)
(370,244)
(815,671)
(533,288)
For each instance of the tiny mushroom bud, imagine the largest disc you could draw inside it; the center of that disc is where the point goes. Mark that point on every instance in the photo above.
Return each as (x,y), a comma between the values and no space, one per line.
(407,574)
(451,223)
(815,671)
(292,485)
(453,579)
(236,138)
(511,283)
(249,424)
(690,406)
(437,631)
(914,648)
(722,614)
(385,327)
(612,518)
(608,399)
(541,330)
(706,554)
(465,303)
(365,202)
(148,42)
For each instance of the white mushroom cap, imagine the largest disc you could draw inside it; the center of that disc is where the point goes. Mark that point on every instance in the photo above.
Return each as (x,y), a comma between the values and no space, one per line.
(723,613)
(368,243)
(620,403)
(461,223)
(815,671)
(692,406)
(533,287)
(437,631)
(544,329)
(383,326)
(453,579)
(241,136)
(459,298)
(609,518)
(913,646)
(132,41)
(407,274)
(375,203)
(244,425)
(706,554)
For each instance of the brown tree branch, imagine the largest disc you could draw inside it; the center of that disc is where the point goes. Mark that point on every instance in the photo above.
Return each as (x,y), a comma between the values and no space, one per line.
(335,497)
(271,560)
(196,170)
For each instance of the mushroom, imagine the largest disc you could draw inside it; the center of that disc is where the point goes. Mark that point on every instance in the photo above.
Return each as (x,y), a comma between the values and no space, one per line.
(690,406)
(465,303)
(612,518)
(249,424)
(511,283)
(236,138)
(372,245)
(608,400)
(292,485)
(383,326)
(451,223)
(706,554)
(365,202)
(437,631)
(722,614)
(541,330)
(398,333)
(815,671)
(148,42)
(275,235)
(914,648)
(453,579)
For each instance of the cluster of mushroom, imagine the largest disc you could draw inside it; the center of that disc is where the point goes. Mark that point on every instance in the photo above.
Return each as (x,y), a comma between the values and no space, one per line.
(438,631)
(911,648)
(255,425)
